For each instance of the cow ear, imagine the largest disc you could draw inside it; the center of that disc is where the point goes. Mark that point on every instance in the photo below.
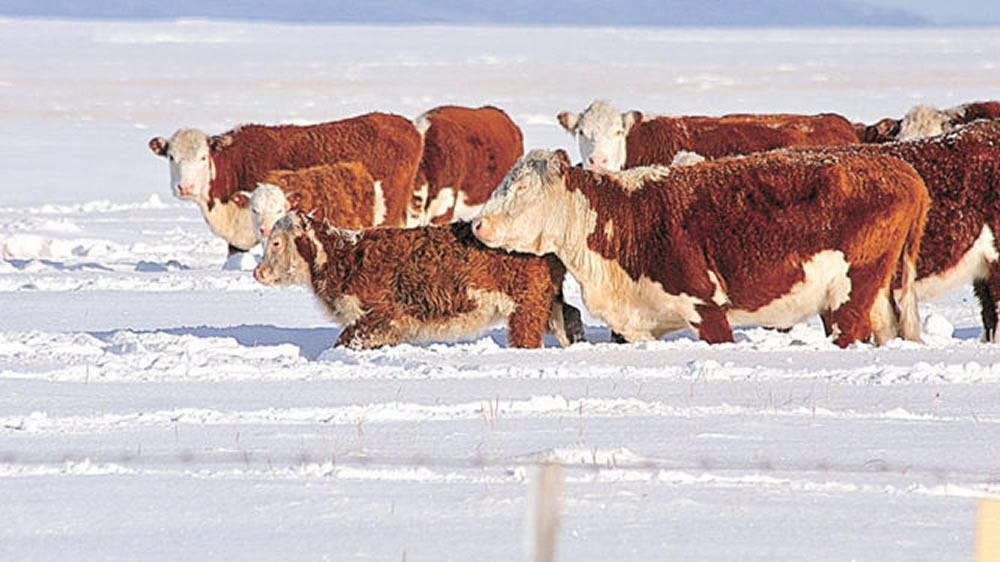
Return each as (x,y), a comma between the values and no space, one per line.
(630,118)
(159,145)
(294,198)
(218,142)
(564,161)
(241,198)
(569,121)
(317,214)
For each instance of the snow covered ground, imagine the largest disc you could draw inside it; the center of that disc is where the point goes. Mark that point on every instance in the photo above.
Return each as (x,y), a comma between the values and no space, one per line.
(156,406)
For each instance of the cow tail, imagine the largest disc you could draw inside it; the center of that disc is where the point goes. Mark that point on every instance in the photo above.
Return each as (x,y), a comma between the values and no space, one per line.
(909,316)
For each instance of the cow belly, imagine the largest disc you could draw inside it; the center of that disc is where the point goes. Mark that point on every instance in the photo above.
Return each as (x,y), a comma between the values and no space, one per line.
(491,307)
(825,286)
(643,310)
(975,264)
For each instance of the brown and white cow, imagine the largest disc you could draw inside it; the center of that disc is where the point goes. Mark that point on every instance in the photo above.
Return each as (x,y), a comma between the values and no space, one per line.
(344,194)
(467,151)
(211,169)
(926,121)
(766,239)
(962,171)
(613,141)
(390,285)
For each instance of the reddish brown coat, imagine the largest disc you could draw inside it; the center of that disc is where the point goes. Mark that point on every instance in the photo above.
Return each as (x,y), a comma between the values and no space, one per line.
(344,194)
(393,285)
(467,150)
(962,171)
(388,146)
(656,140)
(769,238)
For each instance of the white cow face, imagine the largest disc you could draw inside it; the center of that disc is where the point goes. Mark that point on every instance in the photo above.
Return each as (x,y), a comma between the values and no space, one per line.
(191,166)
(527,211)
(282,264)
(601,132)
(267,204)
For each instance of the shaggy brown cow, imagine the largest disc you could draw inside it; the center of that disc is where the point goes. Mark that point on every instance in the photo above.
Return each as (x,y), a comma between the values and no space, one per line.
(344,194)
(962,172)
(612,141)
(925,121)
(768,239)
(466,153)
(393,285)
(210,170)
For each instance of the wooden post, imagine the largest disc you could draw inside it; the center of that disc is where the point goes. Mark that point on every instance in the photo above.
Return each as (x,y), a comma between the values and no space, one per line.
(988,531)
(542,524)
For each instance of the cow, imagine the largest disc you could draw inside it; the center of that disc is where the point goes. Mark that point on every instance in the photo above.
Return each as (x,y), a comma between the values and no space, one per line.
(961,169)
(766,239)
(211,169)
(345,194)
(466,153)
(613,141)
(927,121)
(390,285)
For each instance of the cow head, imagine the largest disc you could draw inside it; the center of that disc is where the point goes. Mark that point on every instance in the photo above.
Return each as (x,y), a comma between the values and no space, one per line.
(267,204)
(526,212)
(283,263)
(192,169)
(601,132)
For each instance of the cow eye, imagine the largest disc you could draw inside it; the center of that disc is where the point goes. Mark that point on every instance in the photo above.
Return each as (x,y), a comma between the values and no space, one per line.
(204,158)
(619,133)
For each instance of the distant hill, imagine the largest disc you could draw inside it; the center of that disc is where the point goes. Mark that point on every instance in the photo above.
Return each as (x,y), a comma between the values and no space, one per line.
(568,12)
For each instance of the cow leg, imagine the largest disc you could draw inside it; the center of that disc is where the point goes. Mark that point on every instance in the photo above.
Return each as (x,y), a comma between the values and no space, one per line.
(617,338)
(713,326)
(526,324)
(564,322)
(233,250)
(368,333)
(852,321)
(988,292)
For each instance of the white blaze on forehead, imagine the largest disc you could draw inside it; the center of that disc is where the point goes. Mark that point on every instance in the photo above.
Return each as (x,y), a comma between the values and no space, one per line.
(267,205)
(190,163)
(600,131)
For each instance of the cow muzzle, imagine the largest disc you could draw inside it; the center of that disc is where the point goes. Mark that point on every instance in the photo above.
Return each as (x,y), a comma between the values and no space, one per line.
(185,191)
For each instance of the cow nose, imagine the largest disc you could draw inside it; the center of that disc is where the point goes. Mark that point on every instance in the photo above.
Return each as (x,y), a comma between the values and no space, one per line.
(257,274)
(264,233)
(185,188)
(598,162)
(477,225)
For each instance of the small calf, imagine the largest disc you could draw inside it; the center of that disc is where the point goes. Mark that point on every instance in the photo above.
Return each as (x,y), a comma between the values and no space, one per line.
(345,194)
(388,286)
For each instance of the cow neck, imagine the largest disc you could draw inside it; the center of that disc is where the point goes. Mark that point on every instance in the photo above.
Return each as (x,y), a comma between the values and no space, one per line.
(603,200)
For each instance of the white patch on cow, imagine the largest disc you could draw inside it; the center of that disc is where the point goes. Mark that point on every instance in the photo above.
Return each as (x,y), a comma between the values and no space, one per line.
(416,212)
(609,229)
(634,179)
(267,205)
(230,221)
(422,123)
(443,202)
(491,308)
(686,158)
(320,252)
(345,310)
(883,318)
(719,296)
(378,210)
(923,121)
(825,286)
(463,210)
(975,264)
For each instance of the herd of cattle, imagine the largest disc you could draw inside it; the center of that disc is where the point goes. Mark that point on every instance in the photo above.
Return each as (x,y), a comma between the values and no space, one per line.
(440,226)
